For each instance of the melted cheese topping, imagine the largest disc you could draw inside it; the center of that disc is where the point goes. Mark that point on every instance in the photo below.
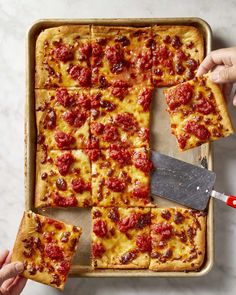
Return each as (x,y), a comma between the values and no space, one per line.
(133,50)
(191,45)
(39,266)
(47,97)
(128,105)
(73,37)
(186,243)
(46,187)
(118,243)
(105,166)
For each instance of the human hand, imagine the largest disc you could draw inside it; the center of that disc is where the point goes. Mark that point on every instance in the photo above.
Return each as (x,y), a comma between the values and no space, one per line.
(222,62)
(10,281)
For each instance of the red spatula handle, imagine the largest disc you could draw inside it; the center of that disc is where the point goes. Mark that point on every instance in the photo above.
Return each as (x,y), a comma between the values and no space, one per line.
(231,201)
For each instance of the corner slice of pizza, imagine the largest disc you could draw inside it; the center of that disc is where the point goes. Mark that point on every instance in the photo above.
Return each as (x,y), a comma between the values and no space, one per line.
(177,53)
(178,239)
(121,237)
(63,57)
(121,116)
(198,112)
(121,177)
(121,56)
(63,179)
(62,118)
(46,248)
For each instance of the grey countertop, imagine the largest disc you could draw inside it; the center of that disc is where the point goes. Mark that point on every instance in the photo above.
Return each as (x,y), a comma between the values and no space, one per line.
(15,18)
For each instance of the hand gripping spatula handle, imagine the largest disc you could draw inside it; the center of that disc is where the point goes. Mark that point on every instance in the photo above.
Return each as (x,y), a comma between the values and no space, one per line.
(184,183)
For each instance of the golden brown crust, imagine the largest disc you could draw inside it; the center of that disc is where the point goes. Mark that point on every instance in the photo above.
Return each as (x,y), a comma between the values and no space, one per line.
(26,231)
(101,31)
(222,106)
(128,106)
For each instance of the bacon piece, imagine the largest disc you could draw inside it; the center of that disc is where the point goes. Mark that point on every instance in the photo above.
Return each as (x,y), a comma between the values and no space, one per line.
(63,162)
(80,74)
(79,185)
(127,122)
(100,228)
(120,154)
(63,53)
(141,192)
(64,201)
(116,184)
(145,98)
(64,140)
(181,95)
(76,117)
(143,243)
(98,250)
(164,230)
(142,162)
(53,251)
(199,130)
(128,257)
(110,133)
(64,98)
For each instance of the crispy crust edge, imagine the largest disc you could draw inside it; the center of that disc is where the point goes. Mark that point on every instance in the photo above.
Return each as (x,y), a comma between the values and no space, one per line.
(101,31)
(221,104)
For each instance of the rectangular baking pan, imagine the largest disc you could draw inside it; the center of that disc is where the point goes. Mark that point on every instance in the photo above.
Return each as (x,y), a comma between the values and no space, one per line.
(159,128)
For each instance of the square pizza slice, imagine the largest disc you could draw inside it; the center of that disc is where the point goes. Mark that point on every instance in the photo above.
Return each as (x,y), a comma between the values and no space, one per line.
(121,237)
(120,177)
(198,112)
(63,57)
(177,53)
(62,118)
(121,116)
(121,56)
(178,239)
(46,247)
(63,179)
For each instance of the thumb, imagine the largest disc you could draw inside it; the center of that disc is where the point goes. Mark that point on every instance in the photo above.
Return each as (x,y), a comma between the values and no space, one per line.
(224,76)
(10,270)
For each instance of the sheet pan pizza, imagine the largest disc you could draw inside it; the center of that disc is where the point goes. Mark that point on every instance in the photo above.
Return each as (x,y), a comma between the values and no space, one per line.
(93,94)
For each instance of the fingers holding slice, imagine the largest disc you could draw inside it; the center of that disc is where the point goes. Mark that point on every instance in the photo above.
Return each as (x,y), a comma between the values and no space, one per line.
(10,270)
(216,57)
(15,287)
(3,256)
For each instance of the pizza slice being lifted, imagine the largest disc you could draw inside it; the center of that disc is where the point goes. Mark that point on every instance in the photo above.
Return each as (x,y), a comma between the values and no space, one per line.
(46,247)
(198,112)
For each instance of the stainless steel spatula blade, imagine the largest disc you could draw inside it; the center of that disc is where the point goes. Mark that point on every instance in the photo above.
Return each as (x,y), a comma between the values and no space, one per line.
(181,182)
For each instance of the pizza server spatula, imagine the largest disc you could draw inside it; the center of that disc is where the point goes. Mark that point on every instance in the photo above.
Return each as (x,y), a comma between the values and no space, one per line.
(184,183)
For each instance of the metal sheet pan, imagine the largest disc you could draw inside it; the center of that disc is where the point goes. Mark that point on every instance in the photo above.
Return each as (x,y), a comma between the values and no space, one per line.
(159,141)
